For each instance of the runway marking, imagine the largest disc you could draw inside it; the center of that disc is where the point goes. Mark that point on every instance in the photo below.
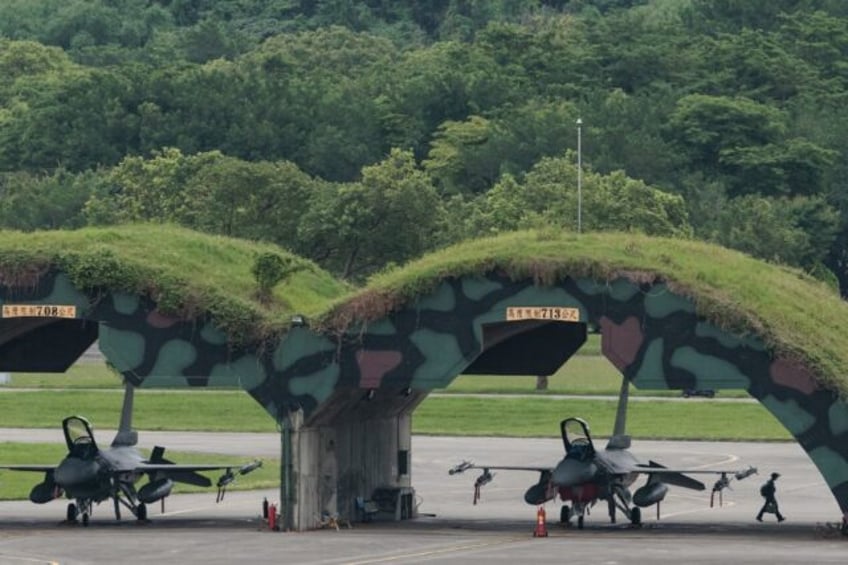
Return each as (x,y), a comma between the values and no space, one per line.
(434,552)
(5,556)
(696,510)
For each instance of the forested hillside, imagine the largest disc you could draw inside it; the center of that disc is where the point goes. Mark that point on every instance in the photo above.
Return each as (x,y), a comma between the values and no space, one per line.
(363,133)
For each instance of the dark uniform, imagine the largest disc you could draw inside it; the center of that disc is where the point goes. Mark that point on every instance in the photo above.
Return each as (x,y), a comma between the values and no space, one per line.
(770,505)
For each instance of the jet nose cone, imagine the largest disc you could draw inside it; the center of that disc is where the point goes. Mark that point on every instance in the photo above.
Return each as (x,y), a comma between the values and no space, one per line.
(571,472)
(73,471)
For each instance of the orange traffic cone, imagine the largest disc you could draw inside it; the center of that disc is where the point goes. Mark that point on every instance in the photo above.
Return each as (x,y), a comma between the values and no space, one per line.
(541,530)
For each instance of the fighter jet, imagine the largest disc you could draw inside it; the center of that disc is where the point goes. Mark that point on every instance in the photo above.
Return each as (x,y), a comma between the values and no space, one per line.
(89,474)
(586,475)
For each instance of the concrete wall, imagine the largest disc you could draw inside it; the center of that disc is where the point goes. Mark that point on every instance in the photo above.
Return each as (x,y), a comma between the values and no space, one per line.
(335,464)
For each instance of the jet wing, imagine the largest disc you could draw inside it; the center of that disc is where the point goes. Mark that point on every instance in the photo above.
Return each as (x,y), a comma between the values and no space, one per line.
(164,467)
(466,465)
(677,477)
(188,473)
(33,468)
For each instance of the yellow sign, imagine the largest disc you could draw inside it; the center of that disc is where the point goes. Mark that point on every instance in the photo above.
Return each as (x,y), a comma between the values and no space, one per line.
(39,311)
(514,313)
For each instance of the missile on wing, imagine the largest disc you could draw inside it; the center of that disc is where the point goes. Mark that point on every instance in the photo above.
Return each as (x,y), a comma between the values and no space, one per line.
(485,478)
(250,467)
(746,473)
(226,479)
(464,466)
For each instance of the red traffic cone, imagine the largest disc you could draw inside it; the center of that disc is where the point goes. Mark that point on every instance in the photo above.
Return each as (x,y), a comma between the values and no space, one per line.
(541,530)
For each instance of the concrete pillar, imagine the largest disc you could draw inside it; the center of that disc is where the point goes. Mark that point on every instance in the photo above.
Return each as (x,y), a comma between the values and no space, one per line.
(332,465)
(290,456)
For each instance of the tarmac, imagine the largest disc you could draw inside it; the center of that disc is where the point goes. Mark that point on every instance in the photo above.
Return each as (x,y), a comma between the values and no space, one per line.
(449,528)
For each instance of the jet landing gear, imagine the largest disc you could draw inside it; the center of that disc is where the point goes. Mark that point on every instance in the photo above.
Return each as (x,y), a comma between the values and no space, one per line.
(565,515)
(621,500)
(74,510)
(636,516)
(71,515)
(124,495)
(140,510)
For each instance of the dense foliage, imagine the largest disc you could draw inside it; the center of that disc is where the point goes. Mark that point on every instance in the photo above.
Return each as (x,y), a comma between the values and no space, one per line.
(360,134)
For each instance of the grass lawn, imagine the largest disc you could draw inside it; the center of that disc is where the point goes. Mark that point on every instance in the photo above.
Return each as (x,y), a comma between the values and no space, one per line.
(169,409)
(80,375)
(235,411)
(582,375)
(15,485)
(532,417)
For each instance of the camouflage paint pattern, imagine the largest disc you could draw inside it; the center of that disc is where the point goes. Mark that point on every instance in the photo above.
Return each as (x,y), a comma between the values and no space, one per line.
(147,347)
(652,335)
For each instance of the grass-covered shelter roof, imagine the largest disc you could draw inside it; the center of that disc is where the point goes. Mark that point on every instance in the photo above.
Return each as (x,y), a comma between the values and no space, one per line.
(795,314)
(184,271)
(193,273)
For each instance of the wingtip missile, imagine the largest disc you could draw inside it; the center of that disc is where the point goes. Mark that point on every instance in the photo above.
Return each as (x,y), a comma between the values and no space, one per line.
(464,466)
(245,469)
(746,473)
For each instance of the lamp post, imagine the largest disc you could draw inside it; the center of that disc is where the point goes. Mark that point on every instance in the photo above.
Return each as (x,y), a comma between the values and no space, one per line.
(579,175)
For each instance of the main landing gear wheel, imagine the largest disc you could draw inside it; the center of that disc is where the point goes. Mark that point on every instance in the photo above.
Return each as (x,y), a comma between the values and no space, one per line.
(564,514)
(636,516)
(141,512)
(72,512)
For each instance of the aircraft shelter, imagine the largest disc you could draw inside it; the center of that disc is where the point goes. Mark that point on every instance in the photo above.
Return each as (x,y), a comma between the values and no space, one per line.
(343,388)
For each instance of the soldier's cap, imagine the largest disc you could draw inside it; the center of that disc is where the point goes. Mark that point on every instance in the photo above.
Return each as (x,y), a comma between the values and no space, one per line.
(775,475)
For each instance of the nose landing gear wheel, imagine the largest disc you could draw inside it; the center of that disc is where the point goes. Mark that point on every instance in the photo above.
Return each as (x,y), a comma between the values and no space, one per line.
(141,512)
(636,516)
(564,514)
(72,512)
(85,518)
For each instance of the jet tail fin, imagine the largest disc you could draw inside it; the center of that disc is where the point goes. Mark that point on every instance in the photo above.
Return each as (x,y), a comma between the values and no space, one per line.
(126,436)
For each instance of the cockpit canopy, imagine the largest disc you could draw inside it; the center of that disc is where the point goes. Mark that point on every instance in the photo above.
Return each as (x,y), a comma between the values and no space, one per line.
(79,437)
(576,438)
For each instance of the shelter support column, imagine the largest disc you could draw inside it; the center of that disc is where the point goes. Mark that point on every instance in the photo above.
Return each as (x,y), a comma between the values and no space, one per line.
(373,454)
(326,468)
(290,430)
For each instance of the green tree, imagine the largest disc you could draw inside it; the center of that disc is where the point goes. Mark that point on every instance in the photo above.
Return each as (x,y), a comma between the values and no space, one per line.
(703,126)
(795,232)
(79,120)
(260,200)
(548,196)
(47,201)
(448,159)
(144,190)
(390,216)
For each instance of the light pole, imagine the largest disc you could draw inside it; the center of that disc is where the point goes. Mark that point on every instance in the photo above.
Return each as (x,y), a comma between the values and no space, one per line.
(579,175)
